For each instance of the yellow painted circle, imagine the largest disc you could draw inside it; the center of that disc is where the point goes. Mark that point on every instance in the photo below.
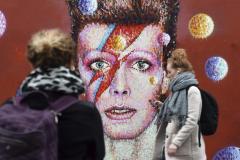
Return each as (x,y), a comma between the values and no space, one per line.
(152,80)
(119,43)
(201,26)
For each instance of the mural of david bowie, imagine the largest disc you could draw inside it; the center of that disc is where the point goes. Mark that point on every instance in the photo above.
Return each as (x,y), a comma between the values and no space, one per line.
(122,48)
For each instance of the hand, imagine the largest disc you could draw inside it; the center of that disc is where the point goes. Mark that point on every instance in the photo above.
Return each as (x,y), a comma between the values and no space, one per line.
(165,84)
(172,149)
(156,104)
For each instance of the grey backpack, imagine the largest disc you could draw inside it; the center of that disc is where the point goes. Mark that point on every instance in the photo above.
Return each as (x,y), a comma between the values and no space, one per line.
(31,134)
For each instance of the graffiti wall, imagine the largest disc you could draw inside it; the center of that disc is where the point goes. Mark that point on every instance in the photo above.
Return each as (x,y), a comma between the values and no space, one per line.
(122,49)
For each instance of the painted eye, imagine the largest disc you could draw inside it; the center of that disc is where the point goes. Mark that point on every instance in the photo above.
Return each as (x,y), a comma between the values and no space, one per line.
(99,65)
(141,65)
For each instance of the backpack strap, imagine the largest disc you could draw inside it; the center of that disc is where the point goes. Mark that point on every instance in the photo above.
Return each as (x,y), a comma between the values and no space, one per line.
(63,103)
(199,134)
(59,105)
(19,99)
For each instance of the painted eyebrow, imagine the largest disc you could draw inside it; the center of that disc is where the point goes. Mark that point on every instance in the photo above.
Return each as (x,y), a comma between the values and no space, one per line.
(152,57)
(94,53)
(143,53)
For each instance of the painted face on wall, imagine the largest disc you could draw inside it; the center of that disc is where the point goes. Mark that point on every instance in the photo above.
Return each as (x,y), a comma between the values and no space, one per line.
(121,66)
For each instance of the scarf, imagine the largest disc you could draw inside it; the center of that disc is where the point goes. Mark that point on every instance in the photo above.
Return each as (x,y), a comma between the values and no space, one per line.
(61,80)
(176,105)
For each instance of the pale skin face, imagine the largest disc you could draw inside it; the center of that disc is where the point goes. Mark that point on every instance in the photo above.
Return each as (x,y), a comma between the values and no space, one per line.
(124,101)
(172,72)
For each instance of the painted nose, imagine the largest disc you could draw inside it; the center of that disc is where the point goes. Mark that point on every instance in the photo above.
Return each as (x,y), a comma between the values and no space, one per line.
(120,92)
(119,86)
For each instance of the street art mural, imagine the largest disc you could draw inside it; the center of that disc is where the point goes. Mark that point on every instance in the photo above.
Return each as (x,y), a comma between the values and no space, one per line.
(122,49)
(228,153)
(3,23)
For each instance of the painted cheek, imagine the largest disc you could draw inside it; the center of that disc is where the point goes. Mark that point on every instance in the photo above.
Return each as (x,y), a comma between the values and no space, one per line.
(85,72)
(145,87)
(137,81)
(158,76)
(152,80)
(92,89)
(152,76)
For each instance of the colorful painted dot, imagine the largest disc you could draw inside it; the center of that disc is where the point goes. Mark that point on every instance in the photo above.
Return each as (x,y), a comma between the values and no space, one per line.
(228,153)
(87,7)
(216,68)
(3,23)
(152,80)
(201,26)
(164,39)
(119,43)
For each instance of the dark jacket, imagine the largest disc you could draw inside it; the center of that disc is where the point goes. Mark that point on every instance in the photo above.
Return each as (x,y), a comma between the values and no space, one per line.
(80,130)
(81,133)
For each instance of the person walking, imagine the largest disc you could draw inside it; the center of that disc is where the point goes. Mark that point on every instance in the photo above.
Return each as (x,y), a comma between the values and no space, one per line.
(177,137)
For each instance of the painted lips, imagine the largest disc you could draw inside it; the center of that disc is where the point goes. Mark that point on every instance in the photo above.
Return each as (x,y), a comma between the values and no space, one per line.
(120,113)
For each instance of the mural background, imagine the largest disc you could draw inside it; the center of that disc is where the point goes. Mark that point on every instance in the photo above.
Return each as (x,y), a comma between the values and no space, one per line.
(25,18)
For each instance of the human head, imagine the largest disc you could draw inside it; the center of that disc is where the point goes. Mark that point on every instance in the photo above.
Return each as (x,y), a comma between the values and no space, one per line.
(121,55)
(51,48)
(177,63)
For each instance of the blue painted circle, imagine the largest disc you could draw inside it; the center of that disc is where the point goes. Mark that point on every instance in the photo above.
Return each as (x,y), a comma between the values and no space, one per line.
(228,153)
(87,7)
(216,68)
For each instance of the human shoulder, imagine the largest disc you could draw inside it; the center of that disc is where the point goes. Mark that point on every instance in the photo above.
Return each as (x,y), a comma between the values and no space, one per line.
(86,104)
(8,101)
(84,107)
(81,112)
(193,90)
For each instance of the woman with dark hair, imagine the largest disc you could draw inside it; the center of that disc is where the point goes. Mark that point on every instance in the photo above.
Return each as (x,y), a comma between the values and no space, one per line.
(122,47)
(178,132)
(52,54)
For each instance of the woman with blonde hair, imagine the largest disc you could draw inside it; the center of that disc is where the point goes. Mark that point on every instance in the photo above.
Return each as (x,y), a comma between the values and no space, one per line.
(177,137)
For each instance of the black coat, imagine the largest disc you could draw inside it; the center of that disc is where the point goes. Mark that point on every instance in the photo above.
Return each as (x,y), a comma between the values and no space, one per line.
(81,133)
(80,130)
